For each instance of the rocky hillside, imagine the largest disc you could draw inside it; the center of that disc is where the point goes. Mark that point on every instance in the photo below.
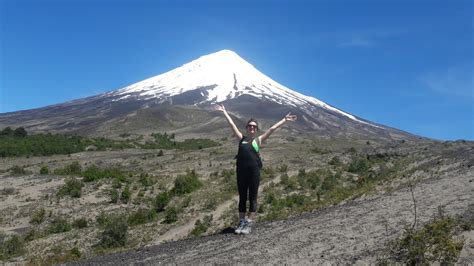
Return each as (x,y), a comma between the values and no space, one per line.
(329,198)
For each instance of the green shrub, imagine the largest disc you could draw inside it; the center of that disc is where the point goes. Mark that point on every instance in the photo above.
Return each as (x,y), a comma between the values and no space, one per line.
(20,132)
(115,232)
(73,169)
(44,170)
(435,242)
(201,227)
(330,182)
(31,235)
(93,173)
(38,216)
(12,247)
(75,252)
(72,187)
(17,143)
(59,225)
(142,216)
(171,215)
(80,223)
(186,183)
(8,131)
(161,200)
(114,195)
(102,219)
(126,195)
(359,165)
(145,180)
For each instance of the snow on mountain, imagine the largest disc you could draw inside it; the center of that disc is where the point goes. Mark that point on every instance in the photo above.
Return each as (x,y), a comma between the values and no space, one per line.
(222,76)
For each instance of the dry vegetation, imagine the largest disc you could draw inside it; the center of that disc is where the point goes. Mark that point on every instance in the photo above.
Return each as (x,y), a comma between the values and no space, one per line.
(60,208)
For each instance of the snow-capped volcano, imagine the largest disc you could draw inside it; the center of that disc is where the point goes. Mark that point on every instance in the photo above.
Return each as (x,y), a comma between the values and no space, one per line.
(179,100)
(220,76)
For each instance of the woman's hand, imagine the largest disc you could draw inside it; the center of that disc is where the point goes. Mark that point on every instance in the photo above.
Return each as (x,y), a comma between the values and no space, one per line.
(220,107)
(290,117)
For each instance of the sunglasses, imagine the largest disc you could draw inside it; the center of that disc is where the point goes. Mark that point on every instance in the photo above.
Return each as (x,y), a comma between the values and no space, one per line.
(252,126)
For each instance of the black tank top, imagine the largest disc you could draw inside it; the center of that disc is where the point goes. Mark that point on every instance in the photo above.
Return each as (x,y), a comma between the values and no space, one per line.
(247,154)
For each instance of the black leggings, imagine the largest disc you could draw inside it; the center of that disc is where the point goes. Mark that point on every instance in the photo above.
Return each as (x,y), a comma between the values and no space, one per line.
(248,180)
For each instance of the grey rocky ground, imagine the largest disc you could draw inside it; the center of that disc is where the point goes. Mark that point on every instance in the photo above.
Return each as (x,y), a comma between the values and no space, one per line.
(354,232)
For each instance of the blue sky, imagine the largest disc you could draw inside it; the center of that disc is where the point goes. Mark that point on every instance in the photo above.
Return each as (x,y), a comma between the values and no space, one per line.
(404,64)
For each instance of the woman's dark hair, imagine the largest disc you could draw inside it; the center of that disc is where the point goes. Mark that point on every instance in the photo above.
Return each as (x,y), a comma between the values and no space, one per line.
(252,120)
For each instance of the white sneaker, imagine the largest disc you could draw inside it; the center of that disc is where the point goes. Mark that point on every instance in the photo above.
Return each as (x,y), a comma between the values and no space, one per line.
(241,226)
(247,227)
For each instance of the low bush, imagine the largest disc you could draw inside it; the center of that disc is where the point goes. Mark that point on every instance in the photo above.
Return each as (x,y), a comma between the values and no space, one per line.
(161,200)
(59,225)
(114,195)
(186,183)
(436,241)
(359,165)
(38,216)
(93,173)
(44,170)
(142,216)
(115,232)
(200,227)
(72,187)
(12,247)
(126,195)
(80,223)
(171,215)
(71,169)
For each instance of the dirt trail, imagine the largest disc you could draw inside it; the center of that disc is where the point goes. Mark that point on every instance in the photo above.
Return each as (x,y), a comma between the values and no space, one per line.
(354,232)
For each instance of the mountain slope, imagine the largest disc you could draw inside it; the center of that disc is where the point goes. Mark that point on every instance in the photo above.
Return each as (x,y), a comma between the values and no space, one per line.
(354,232)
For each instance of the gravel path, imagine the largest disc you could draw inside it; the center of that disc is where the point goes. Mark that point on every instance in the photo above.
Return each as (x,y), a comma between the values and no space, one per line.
(350,233)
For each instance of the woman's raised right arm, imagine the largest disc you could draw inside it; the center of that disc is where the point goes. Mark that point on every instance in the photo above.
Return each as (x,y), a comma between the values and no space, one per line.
(237,133)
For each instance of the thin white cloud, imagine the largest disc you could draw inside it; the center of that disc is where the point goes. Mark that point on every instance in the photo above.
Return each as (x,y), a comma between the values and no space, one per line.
(457,80)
